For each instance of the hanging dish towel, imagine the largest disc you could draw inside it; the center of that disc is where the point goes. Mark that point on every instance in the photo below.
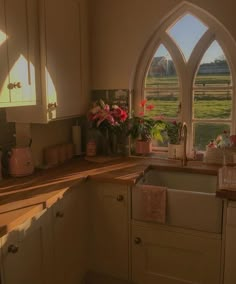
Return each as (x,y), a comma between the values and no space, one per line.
(153,202)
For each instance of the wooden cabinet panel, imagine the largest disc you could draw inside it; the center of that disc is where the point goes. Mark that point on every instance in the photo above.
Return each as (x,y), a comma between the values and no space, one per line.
(70,237)
(109,229)
(162,255)
(18,52)
(230,245)
(25,251)
(62,54)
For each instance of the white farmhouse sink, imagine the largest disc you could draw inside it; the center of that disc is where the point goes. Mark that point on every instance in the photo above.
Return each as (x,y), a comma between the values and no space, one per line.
(191,201)
(189,181)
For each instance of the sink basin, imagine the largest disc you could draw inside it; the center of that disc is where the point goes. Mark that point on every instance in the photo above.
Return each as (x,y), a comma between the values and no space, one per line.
(191,201)
(189,181)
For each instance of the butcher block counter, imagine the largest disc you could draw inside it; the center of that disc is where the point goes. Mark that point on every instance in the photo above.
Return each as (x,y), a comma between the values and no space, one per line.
(21,198)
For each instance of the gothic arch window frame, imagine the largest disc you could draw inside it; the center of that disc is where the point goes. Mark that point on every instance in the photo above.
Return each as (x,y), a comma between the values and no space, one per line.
(186,71)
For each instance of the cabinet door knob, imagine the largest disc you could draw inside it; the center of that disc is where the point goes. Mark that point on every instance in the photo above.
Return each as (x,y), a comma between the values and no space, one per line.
(52,105)
(59,214)
(17,85)
(13,248)
(10,86)
(120,198)
(14,85)
(137,241)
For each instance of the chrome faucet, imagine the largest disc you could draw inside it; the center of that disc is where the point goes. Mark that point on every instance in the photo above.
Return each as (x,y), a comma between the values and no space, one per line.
(183,135)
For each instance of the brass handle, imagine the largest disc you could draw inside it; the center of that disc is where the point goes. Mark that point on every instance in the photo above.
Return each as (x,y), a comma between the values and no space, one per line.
(59,214)
(120,198)
(15,85)
(52,105)
(10,86)
(13,248)
(137,241)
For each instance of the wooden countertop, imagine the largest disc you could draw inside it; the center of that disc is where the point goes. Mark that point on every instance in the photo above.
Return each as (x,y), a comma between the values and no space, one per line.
(21,198)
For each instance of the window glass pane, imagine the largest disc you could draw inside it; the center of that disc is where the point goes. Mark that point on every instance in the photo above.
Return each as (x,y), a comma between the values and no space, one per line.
(203,133)
(214,104)
(186,33)
(161,73)
(214,69)
(165,103)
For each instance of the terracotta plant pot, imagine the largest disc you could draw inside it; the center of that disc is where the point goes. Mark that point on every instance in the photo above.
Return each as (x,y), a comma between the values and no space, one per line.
(143,147)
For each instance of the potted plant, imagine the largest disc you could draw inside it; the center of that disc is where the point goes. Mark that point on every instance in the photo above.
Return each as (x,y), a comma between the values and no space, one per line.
(110,121)
(173,131)
(143,128)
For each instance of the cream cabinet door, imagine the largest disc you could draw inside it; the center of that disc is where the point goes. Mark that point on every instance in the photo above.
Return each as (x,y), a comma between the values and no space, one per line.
(230,245)
(18,52)
(64,59)
(162,255)
(109,233)
(25,253)
(70,236)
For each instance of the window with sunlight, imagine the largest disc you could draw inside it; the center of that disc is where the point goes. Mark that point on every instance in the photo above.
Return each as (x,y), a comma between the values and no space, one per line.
(189,79)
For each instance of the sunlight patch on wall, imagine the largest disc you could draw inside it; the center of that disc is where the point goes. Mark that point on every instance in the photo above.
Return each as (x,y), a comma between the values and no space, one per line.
(51,90)
(19,84)
(3,37)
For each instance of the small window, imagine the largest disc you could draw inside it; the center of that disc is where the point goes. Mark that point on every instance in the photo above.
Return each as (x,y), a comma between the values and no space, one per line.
(186,32)
(212,97)
(162,85)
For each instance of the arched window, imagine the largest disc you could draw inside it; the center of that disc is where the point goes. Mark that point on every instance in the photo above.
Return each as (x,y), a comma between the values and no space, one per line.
(188,72)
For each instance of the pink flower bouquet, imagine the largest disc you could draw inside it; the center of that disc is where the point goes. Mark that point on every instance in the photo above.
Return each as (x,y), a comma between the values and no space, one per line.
(106,117)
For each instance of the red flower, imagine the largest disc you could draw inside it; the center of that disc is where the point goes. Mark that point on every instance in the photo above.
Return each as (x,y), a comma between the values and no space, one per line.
(150,107)
(123,116)
(141,113)
(102,115)
(143,102)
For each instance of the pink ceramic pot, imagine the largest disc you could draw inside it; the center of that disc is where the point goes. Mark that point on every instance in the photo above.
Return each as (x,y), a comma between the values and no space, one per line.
(21,162)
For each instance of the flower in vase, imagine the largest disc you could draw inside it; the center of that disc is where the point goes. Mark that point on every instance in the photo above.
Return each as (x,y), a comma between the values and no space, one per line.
(107,118)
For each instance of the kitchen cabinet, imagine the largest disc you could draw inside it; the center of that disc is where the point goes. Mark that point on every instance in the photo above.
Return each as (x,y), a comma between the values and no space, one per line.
(70,236)
(18,52)
(25,252)
(109,229)
(161,254)
(63,41)
(230,245)
(51,247)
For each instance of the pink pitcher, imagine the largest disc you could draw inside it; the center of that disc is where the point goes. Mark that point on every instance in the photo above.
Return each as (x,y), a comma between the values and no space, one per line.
(21,162)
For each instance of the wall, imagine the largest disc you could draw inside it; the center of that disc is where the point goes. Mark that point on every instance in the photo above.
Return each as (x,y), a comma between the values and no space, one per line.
(121,28)
(7,131)
(56,132)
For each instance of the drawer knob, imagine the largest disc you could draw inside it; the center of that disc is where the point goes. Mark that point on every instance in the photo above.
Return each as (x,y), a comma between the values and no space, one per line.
(59,214)
(137,241)
(52,105)
(120,198)
(13,248)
